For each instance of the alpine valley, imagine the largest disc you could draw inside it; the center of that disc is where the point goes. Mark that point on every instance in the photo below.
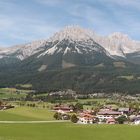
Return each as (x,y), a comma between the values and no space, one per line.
(74,58)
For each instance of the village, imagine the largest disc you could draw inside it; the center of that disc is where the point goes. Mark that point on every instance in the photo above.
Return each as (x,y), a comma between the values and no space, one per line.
(94,108)
(108,114)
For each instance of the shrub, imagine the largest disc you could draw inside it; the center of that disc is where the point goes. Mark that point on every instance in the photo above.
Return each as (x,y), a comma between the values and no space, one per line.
(74,118)
(78,107)
(121,119)
(57,116)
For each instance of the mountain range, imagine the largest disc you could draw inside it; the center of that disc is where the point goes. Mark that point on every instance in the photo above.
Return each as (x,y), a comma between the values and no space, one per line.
(74,58)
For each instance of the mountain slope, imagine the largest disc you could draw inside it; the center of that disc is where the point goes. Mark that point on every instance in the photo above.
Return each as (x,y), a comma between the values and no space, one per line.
(72,58)
(72,46)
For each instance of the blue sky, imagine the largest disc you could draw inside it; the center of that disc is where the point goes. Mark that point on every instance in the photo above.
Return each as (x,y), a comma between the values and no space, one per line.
(23,21)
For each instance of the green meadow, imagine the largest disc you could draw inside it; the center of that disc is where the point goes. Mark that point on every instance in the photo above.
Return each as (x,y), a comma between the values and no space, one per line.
(55,130)
(26,114)
(6,93)
(68,131)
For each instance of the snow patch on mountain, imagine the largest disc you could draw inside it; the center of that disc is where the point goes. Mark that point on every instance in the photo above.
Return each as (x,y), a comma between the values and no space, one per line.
(78,50)
(67,50)
(50,51)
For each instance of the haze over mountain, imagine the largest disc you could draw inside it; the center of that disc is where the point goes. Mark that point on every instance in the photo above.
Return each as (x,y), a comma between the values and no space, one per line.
(73,58)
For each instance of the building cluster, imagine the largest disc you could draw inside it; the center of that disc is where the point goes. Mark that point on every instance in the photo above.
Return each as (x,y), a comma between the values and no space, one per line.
(105,115)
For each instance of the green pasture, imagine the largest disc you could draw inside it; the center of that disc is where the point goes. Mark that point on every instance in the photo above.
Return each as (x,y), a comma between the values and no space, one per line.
(68,131)
(101,100)
(26,114)
(6,93)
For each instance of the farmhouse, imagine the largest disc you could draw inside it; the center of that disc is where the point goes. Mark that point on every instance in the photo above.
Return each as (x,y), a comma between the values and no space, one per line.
(63,108)
(104,115)
(85,118)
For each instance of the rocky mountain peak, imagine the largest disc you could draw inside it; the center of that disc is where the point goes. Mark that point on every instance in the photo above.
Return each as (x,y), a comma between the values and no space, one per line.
(74,33)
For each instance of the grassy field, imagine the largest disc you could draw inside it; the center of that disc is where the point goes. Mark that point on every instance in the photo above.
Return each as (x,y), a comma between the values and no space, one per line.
(58,130)
(68,131)
(6,93)
(96,102)
(12,95)
(102,100)
(25,114)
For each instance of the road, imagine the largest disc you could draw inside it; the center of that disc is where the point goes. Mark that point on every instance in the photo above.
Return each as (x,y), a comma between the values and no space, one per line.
(33,122)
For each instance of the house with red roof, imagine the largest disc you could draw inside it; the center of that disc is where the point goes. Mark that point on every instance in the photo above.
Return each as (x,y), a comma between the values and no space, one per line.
(63,108)
(85,118)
